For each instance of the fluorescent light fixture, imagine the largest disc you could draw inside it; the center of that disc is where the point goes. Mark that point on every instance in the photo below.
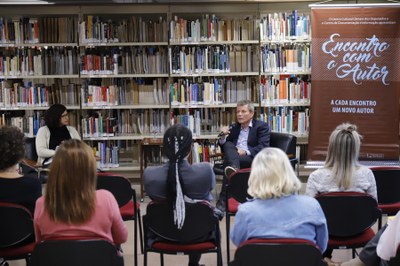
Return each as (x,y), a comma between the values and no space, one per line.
(22,2)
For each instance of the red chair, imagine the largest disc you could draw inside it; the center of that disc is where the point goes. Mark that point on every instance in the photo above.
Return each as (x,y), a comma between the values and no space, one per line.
(387,183)
(77,252)
(125,195)
(350,216)
(278,252)
(199,234)
(236,193)
(17,239)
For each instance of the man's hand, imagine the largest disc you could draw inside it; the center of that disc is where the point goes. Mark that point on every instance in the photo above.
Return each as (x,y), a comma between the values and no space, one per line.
(225,131)
(242,152)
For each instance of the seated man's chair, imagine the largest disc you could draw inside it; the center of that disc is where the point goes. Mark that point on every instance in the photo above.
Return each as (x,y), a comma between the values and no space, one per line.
(284,141)
(287,143)
(350,216)
(199,234)
(387,184)
(84,252)
(17,239)
(278,252)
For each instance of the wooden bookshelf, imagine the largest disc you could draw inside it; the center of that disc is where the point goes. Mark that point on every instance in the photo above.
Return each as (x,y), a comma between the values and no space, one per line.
(125,70)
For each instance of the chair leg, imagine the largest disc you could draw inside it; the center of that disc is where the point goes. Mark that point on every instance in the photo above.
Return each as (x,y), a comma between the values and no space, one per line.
(228,223)
(140,230)
(354,253)
(135,253)
(162,259)
(144,258)
(380,222)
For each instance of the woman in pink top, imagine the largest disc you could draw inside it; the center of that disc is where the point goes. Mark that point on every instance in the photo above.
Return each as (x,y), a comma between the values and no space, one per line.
(71,206)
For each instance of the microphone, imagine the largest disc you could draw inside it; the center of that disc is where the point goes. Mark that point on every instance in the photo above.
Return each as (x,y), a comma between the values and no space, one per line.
(221,134)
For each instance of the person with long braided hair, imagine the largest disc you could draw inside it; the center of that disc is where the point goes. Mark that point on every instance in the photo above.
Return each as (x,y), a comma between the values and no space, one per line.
(177,180)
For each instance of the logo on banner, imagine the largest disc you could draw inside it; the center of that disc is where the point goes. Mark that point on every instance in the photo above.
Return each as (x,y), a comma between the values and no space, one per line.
(355,59)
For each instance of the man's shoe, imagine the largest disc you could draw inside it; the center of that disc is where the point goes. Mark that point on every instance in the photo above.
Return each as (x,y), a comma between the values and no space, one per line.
(229,170)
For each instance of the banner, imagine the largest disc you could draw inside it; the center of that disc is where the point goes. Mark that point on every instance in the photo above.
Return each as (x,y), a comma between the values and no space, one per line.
(355,77)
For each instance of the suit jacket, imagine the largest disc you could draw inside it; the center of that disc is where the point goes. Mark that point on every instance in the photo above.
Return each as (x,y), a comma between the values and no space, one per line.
(259,135)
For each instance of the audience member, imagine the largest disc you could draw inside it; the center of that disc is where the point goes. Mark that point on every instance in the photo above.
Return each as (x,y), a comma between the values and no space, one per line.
(341,171)
(177,180)
(55,131)
(16,188)
(277,210)
(241,142)
(71,206)
(381,248)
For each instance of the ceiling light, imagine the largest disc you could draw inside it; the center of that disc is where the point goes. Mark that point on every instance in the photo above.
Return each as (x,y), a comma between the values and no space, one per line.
(19,2)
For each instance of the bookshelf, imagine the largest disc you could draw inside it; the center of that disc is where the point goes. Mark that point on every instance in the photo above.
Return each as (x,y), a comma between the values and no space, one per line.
(38,65)
(285,70)
(127,71)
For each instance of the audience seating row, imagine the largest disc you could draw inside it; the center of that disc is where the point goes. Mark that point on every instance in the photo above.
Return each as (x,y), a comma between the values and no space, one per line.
(350,216)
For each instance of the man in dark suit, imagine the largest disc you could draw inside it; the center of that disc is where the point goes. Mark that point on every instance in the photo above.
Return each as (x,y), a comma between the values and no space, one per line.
(241,142)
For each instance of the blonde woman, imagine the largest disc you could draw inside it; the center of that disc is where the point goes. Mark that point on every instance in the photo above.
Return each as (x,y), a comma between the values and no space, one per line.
(277,210)
(71,205)
(341,171)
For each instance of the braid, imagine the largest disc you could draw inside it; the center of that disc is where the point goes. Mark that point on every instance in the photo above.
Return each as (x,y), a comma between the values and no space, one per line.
(177,143)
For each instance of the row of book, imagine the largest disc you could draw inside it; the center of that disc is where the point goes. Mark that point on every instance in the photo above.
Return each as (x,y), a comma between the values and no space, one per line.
(278,58)
(212,28)
(112,29)
(30,121)
(153,60)
(95,29)
(38,30)
(125,92)
(124,60)
(285,89)
(204,121)
(287,120)
(213,92)
(277,89)
(39,61)
(212,59)
(285,26)
(20,95)
(109,123)
(108,154)
(204,151)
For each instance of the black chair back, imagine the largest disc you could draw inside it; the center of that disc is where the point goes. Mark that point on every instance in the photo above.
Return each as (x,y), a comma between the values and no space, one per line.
(76,252)
(16,224)
(278,252)
(30,149)
(287,143)
(238,184)
(284,141)
(199,222)
(387,184)
(348,213)
(119,186)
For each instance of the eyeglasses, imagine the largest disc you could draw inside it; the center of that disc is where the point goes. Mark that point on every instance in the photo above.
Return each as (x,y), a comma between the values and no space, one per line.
(64,115)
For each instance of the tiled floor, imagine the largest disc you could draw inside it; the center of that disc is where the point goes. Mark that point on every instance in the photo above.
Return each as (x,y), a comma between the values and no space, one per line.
(181,260)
